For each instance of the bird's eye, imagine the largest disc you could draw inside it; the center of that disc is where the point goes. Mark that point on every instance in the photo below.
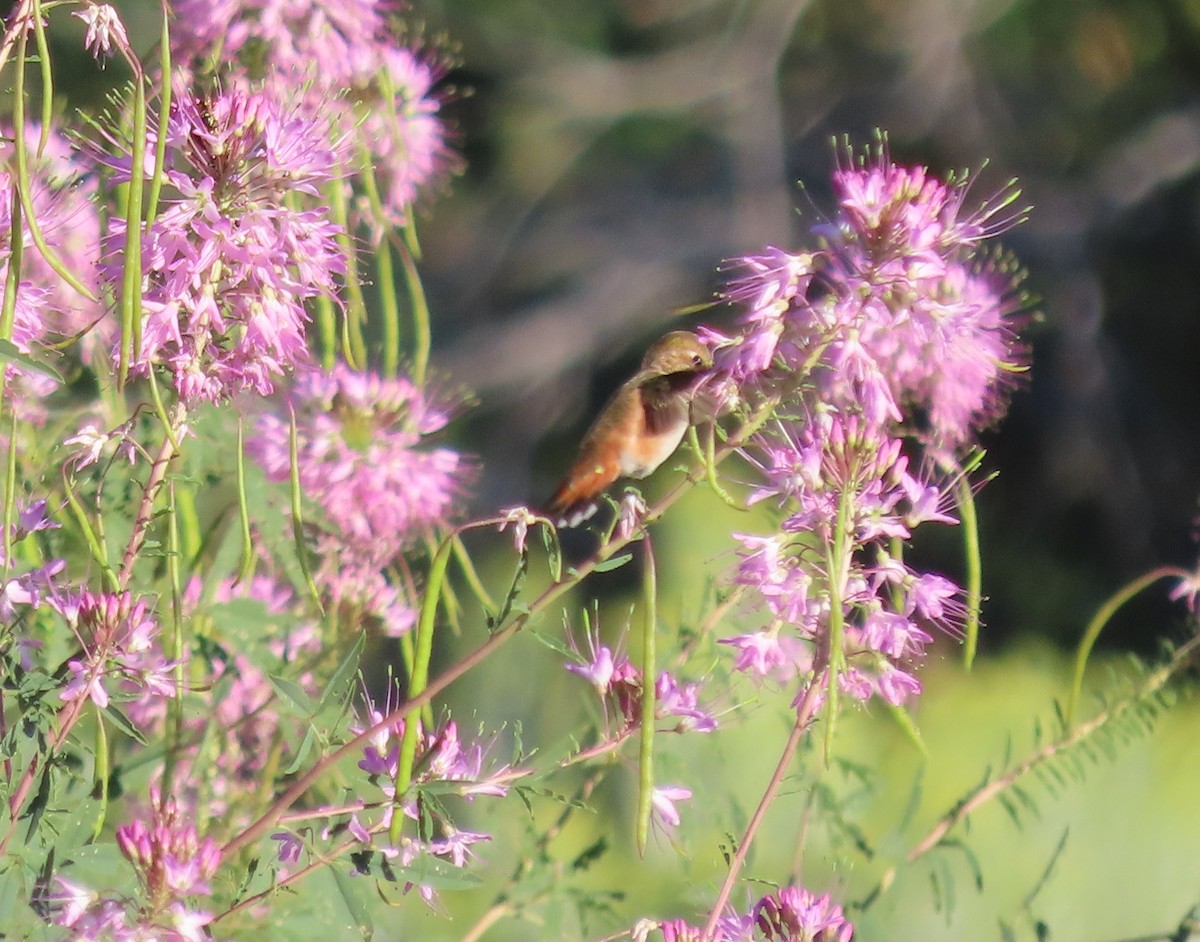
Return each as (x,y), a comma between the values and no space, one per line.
(697,360)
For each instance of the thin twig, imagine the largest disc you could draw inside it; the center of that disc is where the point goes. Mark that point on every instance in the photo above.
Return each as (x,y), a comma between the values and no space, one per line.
(804,717)
(158,474)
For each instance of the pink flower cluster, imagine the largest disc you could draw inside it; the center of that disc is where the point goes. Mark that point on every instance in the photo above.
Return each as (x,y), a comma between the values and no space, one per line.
(47,309)
(362,458)
(885,350)
(229,264)
(903,312)
(830,473)
(172,863)
(442,760)
(119,639)
(353,64)
(793,914)
(619,685)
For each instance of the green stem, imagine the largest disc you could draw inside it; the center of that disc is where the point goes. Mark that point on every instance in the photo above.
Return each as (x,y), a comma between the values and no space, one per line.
(10,489)
(145,513)
(298,515)
(43,48)
(385,271)
(649,672)
(164,115)
(327,332)
(175,651)
(248,557)
(970,533)
(161,410)
(419,677)
(837,561)
(12,278)
(100,773)
(385,277)
(190,538)
(707,454)
(468,568)
(23,183)
(131,274)
(355,314)
(97,550)
(422,336)
(1102,618)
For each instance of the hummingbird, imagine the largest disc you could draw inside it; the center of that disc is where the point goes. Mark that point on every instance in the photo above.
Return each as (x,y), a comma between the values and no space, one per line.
(639,427)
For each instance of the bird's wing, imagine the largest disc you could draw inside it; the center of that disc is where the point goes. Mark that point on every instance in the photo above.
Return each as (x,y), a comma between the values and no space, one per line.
(599,461)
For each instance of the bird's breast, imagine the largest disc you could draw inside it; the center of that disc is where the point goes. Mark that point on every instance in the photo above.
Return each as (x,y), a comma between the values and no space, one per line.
(645,455)
(645,451)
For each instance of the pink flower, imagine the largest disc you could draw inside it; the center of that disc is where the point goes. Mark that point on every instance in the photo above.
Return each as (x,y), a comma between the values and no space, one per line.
(229,265)
(520,518)
(795,914)
(104,30)
(46,308)
(663,801)
(910,313)
(119,636)
(363,457)
(369,81)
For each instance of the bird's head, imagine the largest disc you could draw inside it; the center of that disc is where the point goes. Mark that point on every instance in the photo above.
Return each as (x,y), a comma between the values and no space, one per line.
(680,351)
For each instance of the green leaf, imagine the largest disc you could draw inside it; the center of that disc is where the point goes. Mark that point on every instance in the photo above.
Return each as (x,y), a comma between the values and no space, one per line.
(239,618)
(18,918)
(337,689)
(302,753)
(437,873)
(37,807)
(124,724)
(102,867)
(75,827)
(293,693)
(554,644)
(355,905)
(615,563)
(10,354)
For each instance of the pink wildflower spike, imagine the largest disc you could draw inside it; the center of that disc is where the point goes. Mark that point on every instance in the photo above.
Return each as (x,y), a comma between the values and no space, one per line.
(327,48)
(364,459)
(897,335)
(230,266)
